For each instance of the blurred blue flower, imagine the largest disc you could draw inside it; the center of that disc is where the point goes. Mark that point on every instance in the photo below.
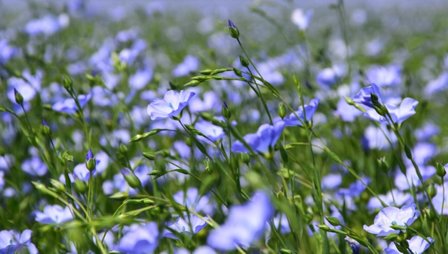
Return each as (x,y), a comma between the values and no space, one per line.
(355,189)
(188,65)
(440,200)
(14,242)
(211,131)
(53,214)
(190,224)
(328,77)
(436,85)
(6,51)
(301,18)
(140,78)
(28,86)
(172,104)
(392,216)
(34,166)
(244,225)
(266,136)
(139,239)
(384,76)
(47,25)
(192,200)
(406,181)
(331,181)
(378,138)
(310,109)
(427,131)
(346,112)
(417,245)
(392,198)
(68,105)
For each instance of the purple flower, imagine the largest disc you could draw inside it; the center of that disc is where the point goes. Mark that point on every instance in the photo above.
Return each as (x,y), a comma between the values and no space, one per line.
(139,239)
(303,117)
(244,225)
(6,51)
(392,216)
(328,77)
(140,78)
(54,214)
(440,200)
(417,245)
(399,110)
(192,200)
(301,18)
(189,64)
(392,198)
(384,76)
(34,166)
(211,131)
(191,224)
(266,136)
(13,242)
(172,104)
(68,105)
(47,25)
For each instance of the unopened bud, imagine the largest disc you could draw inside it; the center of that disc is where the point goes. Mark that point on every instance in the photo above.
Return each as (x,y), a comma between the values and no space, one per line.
(45,129)
(244,61)
(282,110)
(440,169)
(80,186)
(131,178)
(234,32)
(90,161)
(333,221)
(18,96)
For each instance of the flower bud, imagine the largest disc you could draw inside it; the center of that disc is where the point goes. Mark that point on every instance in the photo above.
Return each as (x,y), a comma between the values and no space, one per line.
(244,61)
(45,129)
(282,110)
(90,161)
(226,111)
(440,169)
(18,97)
(131,178)
(80,186)
(234,32)
(333,221)
(431,190)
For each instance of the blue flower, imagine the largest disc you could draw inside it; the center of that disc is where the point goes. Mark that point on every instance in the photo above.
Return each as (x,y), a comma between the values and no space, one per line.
(266,136)
(303,117)
(417,245)
(244,225)
(211,131)
(192,200)
(172,104)
(189,64)
(6,51)
(392,216)
(399,110)
(328,77)
(13,242)
(301,18)
(139,239)
(68,105)
(54,214)
(384,76)
(190,224)
(34,166)
(47,25)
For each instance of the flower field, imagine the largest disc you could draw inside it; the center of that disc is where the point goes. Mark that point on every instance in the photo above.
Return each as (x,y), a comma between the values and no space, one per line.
(270,127)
